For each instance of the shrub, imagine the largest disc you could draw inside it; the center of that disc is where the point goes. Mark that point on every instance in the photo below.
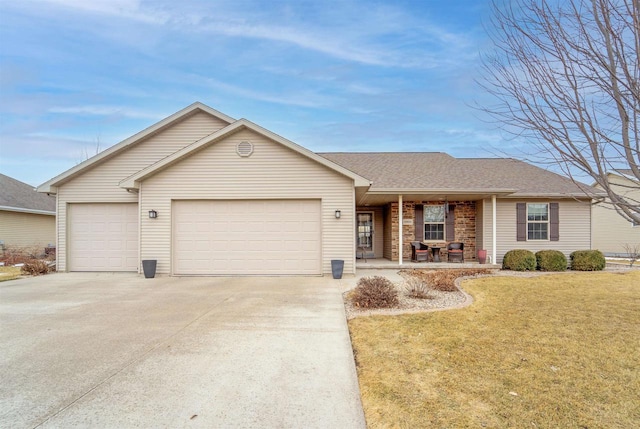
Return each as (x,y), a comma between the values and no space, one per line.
(445,280)
(417,288)
(519,260)
(587,260)
(35,268)
(374,292)
(12,255)
(551,260)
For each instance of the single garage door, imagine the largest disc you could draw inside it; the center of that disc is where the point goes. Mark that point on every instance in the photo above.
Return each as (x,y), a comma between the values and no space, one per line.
(263,237)
(103,237)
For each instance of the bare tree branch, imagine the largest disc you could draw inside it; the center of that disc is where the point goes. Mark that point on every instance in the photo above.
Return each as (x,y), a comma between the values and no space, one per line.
(565,76)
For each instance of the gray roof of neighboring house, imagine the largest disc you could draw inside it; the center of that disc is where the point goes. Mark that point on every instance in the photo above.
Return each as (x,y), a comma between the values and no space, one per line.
(423,170)
(18,195)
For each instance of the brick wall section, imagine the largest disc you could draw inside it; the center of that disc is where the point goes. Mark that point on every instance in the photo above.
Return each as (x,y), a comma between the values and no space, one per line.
(465,228)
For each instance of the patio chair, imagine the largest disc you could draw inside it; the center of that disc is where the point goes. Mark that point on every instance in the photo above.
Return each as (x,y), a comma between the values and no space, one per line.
(455,252)
(419,252)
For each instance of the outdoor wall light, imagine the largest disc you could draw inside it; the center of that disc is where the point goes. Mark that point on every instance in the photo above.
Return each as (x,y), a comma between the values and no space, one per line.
(153,214)
(338,214)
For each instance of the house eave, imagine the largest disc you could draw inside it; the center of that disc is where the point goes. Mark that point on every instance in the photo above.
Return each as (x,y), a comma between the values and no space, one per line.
(30,211)
(440,191)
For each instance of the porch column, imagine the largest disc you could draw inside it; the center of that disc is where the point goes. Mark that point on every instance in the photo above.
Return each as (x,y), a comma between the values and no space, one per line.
(400,229)
(493,229)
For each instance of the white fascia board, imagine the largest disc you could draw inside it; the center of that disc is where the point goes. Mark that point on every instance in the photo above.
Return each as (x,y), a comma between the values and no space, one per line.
(439,191)
(31,211)
(49,185)
(133,181)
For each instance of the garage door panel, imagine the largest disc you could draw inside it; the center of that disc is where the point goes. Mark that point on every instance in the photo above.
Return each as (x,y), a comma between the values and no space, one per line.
(277,237)
(103,237)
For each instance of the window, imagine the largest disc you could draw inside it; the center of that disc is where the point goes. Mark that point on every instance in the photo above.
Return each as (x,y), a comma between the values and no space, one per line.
(537,221)
(434,223)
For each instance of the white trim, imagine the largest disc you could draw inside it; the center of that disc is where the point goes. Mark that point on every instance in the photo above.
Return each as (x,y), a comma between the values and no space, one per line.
(494,228)
(400,228)
(547,222)
(444,224)
(31,211)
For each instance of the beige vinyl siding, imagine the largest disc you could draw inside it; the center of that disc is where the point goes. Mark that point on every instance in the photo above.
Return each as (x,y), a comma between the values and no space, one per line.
(100,184)
(575,227)
(611,232)
(271,172)
(27,229)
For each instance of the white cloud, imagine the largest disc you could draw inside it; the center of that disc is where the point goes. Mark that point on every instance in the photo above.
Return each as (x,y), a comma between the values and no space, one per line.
(96,110)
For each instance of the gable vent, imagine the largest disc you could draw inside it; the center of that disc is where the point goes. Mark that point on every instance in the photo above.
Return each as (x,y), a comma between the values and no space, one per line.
(244,148)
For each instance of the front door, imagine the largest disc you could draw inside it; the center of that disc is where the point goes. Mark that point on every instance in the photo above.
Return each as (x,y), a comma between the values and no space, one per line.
(364,235)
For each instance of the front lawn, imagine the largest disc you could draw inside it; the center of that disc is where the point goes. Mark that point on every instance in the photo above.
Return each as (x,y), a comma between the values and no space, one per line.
(9,273)
(549,351)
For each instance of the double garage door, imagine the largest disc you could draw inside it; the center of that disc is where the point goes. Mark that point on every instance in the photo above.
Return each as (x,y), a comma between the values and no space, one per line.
(257,237)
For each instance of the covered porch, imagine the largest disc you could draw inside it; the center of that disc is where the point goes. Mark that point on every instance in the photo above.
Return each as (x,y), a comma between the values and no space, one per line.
(388,222)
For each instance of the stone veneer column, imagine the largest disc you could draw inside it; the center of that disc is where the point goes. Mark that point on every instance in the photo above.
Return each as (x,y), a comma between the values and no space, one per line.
(409,229)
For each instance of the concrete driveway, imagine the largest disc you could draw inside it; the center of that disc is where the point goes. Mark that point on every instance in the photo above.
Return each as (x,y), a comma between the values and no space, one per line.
(118,350)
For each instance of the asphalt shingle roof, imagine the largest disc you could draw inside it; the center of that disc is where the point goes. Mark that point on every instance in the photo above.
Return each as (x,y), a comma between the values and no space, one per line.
(19,195)
(437,170)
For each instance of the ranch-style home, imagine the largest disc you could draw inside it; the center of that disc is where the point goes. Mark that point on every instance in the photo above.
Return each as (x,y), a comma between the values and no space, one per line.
(205,194)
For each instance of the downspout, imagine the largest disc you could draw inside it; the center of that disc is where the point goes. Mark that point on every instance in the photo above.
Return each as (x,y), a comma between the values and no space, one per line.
(400,229)
(493,230)
(140,229)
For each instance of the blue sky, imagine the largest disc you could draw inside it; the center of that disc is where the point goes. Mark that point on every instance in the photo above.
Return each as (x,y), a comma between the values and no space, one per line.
(329,75)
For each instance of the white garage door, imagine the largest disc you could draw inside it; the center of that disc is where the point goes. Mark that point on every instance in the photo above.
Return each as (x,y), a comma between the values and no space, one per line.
(103,237)
(264,237)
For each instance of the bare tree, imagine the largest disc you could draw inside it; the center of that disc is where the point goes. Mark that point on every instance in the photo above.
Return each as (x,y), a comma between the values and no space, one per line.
(565,77)
(86,154)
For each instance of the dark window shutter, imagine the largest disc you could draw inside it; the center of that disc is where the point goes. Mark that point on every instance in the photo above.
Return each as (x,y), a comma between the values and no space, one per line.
(521,213)
(419,222)
(554,222)
(450,221)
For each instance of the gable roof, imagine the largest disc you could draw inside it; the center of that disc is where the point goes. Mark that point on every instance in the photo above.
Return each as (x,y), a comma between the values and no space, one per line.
(132,182)
(436,171)
(627,173)
(18,196)
(136,138)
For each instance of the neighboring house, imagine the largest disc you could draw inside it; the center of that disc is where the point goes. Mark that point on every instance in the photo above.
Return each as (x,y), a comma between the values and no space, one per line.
(611,232)
(205,194)
(27,218)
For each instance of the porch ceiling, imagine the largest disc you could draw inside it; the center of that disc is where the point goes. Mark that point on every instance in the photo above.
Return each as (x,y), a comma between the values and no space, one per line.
(380,198)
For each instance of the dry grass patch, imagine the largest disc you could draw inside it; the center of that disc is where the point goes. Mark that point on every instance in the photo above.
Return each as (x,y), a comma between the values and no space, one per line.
(444,280)
(549,351)
(9,273)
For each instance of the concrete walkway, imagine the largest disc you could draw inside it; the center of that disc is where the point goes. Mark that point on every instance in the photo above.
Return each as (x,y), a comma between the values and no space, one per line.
(118,350)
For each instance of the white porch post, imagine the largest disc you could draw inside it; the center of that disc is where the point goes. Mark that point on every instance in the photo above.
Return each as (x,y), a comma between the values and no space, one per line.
(400,228)
(493,229)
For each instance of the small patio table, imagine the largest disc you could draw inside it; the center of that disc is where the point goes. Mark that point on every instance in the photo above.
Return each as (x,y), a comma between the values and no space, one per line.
(436,253)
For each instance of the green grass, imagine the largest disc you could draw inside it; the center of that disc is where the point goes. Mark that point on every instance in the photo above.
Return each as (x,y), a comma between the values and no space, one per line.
(549,351)
(9,273)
